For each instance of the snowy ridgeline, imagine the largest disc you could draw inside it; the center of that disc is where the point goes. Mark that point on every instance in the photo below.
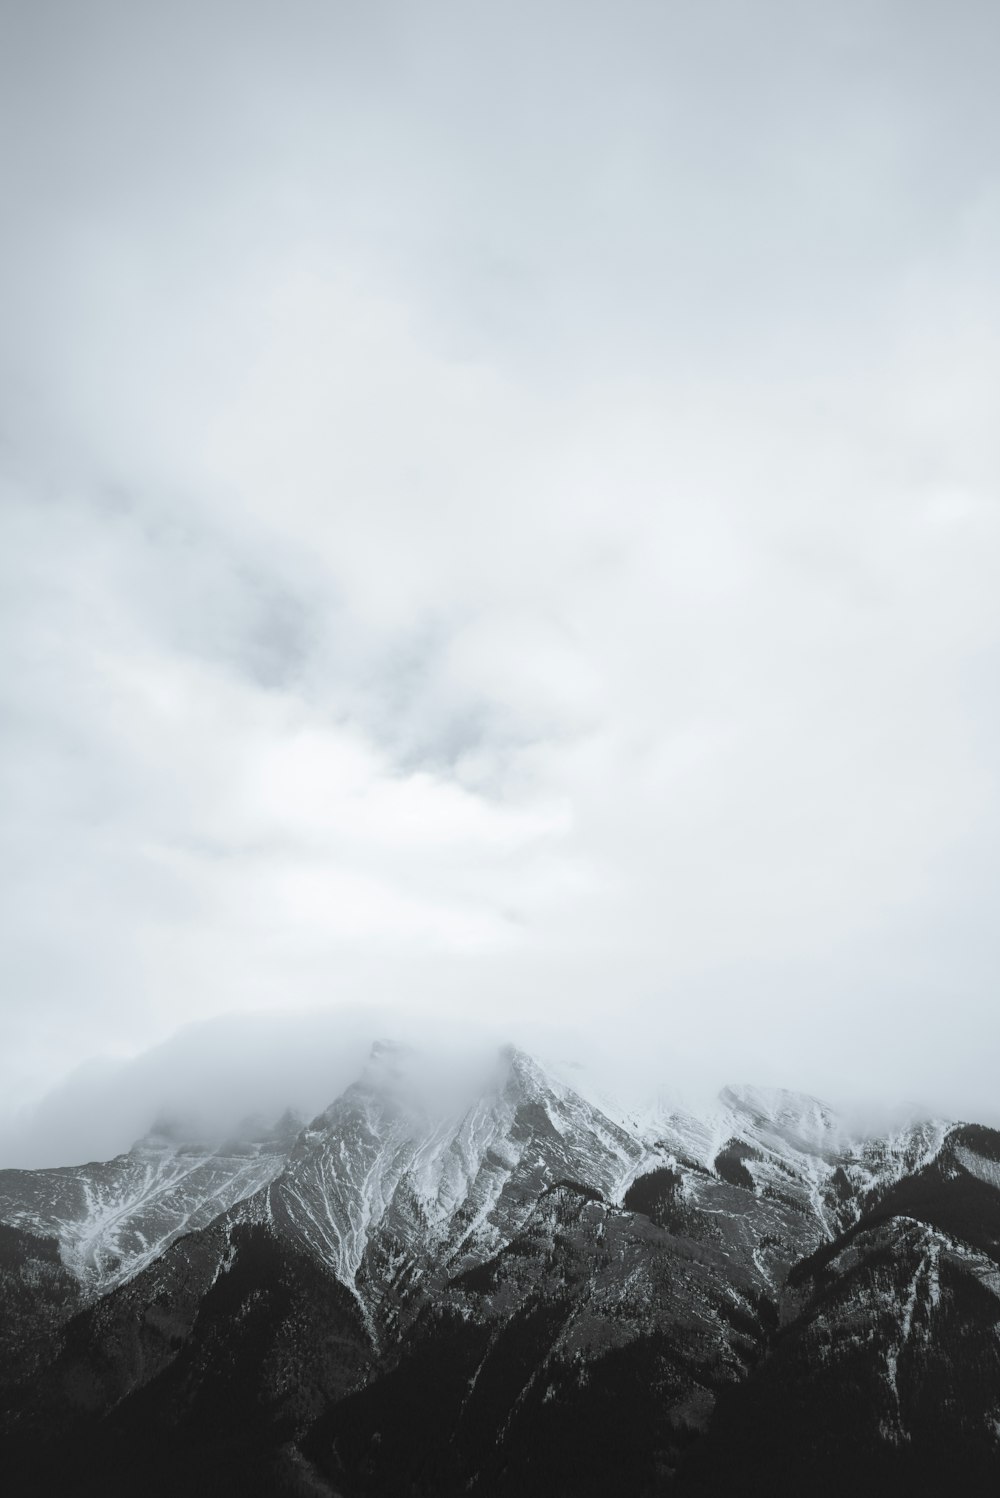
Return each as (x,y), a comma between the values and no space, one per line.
(450,1174)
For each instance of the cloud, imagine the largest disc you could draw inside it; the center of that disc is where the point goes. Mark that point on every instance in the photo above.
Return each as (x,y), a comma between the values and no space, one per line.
(503,530)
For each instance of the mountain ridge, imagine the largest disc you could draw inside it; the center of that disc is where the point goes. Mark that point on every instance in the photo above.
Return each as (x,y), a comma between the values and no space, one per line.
(507,1250)
(111,1218)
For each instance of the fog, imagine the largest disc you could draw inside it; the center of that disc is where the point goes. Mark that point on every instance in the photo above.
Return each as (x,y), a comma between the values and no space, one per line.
(498,532)
(235,1076)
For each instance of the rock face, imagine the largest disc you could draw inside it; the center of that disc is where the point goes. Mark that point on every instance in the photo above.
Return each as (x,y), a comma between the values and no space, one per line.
(510,1293)
(112,1218)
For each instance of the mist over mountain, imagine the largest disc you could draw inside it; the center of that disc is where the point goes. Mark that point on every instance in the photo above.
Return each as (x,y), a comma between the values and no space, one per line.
(219,1079)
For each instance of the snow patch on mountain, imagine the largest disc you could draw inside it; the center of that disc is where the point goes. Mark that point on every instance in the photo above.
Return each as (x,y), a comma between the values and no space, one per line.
(979,1166)
(873,1165)
(112,1218)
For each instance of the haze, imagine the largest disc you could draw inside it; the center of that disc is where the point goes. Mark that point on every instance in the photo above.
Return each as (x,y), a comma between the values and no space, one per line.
(498,529)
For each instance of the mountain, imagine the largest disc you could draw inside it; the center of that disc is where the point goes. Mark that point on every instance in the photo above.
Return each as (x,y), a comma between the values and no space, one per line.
(396,1197)
(112,1218)
(507,1289)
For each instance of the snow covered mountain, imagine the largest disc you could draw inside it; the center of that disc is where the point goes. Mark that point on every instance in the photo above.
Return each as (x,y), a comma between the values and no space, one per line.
(382,1186)
(112,1218)
(449,1186)
(504,1289)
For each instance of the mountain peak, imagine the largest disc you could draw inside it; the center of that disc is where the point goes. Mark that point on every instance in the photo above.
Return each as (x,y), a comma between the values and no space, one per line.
(524,1069)
(776,1115)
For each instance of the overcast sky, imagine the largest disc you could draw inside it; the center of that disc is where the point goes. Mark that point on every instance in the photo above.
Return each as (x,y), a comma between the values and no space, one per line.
(499,517)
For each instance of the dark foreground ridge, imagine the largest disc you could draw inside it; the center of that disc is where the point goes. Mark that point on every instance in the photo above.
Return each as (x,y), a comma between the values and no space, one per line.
(525,1299)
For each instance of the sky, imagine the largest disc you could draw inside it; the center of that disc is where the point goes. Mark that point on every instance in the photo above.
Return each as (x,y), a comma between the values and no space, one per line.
(498,527)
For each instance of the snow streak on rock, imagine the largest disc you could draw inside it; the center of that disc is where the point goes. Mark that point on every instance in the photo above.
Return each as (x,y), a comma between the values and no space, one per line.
(405,1179)
(113,1218)
(441,1189)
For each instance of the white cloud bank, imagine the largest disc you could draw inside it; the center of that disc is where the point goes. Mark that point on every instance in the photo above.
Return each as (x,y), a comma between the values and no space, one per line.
(500,517)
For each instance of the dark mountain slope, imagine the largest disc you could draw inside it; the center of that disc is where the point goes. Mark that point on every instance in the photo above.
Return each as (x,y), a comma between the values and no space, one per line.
(37,1297)
(209,1402)
(887,1377)
(593,1320)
